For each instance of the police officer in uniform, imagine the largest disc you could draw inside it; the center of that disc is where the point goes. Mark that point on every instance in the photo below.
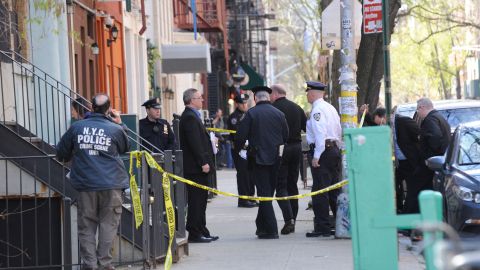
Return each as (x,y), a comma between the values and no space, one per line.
(292,155)
(244,183)
(266,130)
(155,130)
(323,134)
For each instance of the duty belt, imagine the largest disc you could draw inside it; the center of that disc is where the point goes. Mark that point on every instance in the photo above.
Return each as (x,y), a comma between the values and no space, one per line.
(328,143)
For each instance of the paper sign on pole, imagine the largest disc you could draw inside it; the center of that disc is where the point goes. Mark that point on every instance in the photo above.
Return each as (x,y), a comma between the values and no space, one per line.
(331,24)
(372,16)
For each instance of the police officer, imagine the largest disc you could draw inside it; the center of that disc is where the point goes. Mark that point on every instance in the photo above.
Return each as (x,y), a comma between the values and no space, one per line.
(266,130)
(292,155)
(94,146)
(155,130)
(323,134)
(244,183)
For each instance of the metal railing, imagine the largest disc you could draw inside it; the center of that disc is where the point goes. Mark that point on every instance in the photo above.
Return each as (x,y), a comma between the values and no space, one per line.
(36,105)
(38,226)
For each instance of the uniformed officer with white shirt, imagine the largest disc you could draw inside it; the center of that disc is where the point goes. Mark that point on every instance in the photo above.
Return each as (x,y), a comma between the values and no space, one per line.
(323,135)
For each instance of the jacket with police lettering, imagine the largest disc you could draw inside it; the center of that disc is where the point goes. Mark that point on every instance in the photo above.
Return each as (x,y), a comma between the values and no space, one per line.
(94,145)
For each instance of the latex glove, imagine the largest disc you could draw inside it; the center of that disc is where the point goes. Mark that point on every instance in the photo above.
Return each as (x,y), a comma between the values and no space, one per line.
(243,154)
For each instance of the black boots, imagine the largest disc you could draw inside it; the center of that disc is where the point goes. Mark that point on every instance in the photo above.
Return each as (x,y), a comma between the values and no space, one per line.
(289,227)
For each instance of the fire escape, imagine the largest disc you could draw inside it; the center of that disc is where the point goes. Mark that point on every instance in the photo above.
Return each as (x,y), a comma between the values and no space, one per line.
(210,17)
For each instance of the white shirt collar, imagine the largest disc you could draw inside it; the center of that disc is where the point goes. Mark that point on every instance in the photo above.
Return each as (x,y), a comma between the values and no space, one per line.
(316,102)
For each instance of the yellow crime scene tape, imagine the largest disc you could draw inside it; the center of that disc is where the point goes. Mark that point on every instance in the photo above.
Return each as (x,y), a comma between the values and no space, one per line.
(152,163)
(222,130)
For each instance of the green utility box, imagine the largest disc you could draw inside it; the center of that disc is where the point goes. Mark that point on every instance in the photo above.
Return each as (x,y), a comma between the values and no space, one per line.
(374,222)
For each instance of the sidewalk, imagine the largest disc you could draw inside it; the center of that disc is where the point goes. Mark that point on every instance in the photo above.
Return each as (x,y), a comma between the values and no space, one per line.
(238,247)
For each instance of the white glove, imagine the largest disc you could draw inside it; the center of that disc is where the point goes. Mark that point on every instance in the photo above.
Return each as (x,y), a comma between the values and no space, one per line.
(243,154)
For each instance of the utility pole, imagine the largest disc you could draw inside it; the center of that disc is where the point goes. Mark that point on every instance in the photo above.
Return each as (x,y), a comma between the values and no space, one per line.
(348,104)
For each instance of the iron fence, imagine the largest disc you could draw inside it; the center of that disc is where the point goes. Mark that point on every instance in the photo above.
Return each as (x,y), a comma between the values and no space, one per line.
(38,223)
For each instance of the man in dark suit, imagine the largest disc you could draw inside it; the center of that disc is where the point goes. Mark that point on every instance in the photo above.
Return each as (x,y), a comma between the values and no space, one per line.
(405,132)
(198,164)
(292,155)
(266,130)
(435,136)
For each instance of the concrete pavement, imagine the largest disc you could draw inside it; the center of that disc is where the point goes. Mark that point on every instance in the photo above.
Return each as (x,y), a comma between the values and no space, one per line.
(238,247)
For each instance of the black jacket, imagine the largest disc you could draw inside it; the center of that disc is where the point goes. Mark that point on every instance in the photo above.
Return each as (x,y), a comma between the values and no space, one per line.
(434,135)
(158,133)
(265,128)
(407,133)
(233,122)
(195,143)
(94,145)
(296,118)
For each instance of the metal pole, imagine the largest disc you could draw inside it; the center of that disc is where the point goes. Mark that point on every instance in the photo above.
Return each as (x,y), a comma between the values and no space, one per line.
(386,56)
(348,104)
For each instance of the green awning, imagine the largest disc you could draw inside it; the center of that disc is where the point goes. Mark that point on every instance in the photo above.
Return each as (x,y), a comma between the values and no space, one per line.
(254,79)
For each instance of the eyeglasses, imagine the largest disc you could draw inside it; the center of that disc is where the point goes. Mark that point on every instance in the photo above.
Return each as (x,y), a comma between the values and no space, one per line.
(197,98)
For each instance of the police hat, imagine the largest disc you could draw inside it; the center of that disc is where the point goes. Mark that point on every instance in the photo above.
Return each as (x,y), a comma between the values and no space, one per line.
(311,85)
(241,98)
(152,103)
(261,88)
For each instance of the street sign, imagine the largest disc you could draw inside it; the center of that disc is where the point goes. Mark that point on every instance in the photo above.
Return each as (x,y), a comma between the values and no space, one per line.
(332,24)
(372,16)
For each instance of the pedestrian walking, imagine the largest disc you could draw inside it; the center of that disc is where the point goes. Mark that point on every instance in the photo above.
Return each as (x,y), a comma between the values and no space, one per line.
(94,145)
(198,165)
(266,130)
(292,156)
(155,130)
(245,184)
(323,135)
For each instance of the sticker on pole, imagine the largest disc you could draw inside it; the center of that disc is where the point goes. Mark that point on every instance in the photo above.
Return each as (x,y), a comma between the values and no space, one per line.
(372,16)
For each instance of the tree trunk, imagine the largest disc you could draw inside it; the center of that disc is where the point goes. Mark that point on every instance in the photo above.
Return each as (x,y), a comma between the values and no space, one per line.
(370,62)
(458,88)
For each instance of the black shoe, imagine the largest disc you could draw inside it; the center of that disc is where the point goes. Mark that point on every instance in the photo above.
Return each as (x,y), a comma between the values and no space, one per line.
(212,237)
(318,234)
(200,239)
(267,236)
(246,204)
(289,227)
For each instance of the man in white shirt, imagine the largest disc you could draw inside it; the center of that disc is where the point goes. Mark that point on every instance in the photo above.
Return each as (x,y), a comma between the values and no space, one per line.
(324,134)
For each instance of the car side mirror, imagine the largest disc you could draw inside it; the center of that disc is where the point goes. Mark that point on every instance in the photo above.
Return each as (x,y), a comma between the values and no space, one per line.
(436,163)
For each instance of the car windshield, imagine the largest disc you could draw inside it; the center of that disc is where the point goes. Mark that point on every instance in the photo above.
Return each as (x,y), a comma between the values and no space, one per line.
(461,115)
(469,152)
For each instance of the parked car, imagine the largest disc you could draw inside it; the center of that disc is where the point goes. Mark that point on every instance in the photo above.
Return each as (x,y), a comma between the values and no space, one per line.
(457,177)
(456,111)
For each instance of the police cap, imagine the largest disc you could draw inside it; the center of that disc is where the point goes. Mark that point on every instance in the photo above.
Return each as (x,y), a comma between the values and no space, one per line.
(261,88)
(152,103)
(311,85)
(242,98)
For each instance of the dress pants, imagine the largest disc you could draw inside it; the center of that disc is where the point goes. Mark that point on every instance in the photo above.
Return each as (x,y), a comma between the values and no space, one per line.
(265,181)
(403,172)
(244,184)
(287,180)
(197,206)
(326,175)
(422,179)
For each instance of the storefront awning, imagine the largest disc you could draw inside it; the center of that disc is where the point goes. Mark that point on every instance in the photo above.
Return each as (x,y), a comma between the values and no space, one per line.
(253,79)
(186,58)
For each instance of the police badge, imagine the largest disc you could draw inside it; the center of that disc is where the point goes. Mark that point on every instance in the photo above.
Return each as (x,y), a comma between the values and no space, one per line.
(234,121)
(316,116)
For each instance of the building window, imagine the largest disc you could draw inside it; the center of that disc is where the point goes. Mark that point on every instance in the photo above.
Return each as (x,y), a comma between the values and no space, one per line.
(90,25)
